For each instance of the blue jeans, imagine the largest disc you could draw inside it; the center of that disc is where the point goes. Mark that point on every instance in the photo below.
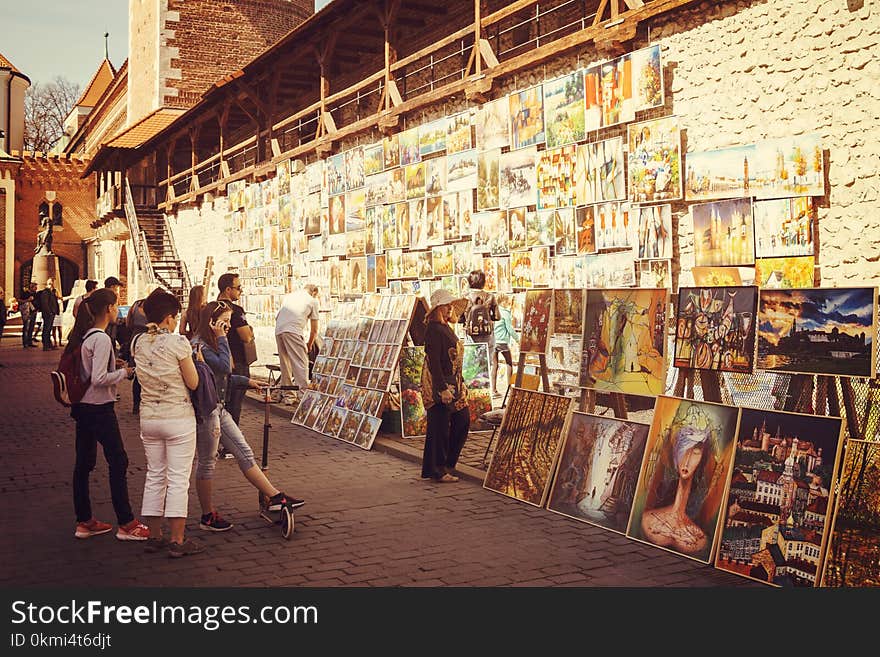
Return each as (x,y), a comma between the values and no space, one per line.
(27,329)
(220,427)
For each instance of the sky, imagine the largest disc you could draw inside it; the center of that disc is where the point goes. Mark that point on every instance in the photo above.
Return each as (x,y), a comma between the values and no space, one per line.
(47,38)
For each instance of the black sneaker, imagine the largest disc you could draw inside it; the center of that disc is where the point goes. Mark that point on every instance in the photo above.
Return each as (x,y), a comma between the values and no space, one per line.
(275,502)
(213,522)
(156,544)
(188,547)
(223,453)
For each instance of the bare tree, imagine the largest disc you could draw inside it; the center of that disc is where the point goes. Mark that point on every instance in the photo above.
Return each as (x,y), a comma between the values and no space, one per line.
(45,108)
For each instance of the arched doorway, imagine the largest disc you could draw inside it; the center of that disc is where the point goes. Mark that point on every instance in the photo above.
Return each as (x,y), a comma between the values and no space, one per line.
(69,271)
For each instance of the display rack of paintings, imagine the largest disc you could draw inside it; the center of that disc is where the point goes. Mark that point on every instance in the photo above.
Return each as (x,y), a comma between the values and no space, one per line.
(683,477)
(777,513)
(528,441)
(598,470)
(353,371)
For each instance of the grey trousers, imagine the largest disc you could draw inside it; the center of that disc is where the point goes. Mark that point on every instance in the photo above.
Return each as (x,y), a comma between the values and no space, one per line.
(294,360)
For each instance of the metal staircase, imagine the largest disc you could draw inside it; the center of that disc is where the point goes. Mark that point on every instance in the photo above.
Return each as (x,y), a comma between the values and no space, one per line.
(156,251)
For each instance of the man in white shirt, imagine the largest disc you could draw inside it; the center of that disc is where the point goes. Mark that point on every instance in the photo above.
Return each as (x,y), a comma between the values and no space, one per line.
(90,287)
(298,309)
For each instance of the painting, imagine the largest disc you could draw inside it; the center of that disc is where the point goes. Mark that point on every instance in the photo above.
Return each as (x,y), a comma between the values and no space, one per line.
(520,269)
(785,273)
(487,180)
(354,168)
(432,137)
(334,173)
(563,361)
(654,159)
(614,229)
(818,331)
(715,328)
(517,178)
(655,273)
(519,219)
(719,174)
(391,151)
(598,470)
(458,133)
(536,321)
(540,228)
(624,347)
(555,177)
(415,180)
(367,431)
(526,117)
(784,227)
(350,426)
(647,78)
(653,232)
(374,159)
(490,232)
(564,110)
(775,522)
(564,230)
(381,271)
(724,233)
(791,166)
(599,172)
(542,270)
(716,276)
(684,476)
(608,89)
(568,311)
(334,421)
(528,440)
(408,144)
(412,411)
(492,128)
(435,176)
(855,532)
(401,221)
(337,214)
(586,229)
(475,374)
(461,171)
(282,176)
(441,258)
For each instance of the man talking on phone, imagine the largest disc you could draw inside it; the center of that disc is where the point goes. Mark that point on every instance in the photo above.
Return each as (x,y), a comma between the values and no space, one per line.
(241,341)
(298,310)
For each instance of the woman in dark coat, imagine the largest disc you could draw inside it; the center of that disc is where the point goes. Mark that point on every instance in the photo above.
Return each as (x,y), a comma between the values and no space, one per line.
(443,391)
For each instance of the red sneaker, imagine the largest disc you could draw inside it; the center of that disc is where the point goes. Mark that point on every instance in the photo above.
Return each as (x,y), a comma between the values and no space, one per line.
(91,528)
(133,531)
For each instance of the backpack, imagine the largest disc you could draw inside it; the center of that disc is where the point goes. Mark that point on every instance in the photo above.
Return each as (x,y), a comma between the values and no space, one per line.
(68,385)
(479,322)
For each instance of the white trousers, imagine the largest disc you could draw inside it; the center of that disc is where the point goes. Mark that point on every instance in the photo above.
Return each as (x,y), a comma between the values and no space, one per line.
(169,445)
(294,359)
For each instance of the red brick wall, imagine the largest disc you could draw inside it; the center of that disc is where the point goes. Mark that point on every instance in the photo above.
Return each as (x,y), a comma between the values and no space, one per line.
(215,38)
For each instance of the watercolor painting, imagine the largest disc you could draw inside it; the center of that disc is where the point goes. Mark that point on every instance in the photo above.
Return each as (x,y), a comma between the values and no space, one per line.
(586,229)
(564,231)
(653,232)
(519,220)
(791,166)
(432,137)
(784,227)
(654,159)
(647,84)
(492,126)
(458,133)
(354,168)
(614,228)
(655,273)
(724,233)
(785,273)
(518,178)
(408,144)
(461,171)
(526,117)
(415,180)
(608,88)
(391,151)
(435,176)
(564,110)
(555,177)
(374,159)
(487,180)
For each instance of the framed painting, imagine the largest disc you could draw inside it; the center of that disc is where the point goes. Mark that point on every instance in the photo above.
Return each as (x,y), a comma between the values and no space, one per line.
(518,178)
(775,522)
(381,271)
(526,117)
(720,174)
(528,441)
(408,144)
(724,233)
(461,171)
(598,470)
(851,559)
(555,177)
(475,375)
(599,172)
(432,137)
(715,328)
(487,180)
(654,159)
(458,133)
(614,228)
(653,232)
(624,346)
(349,429)
(818,331)
(791,166)
(367,431)
(564,110)
(684,476)
(537,315)
(391,151)
(784,227)
(586,229)
(785,273)
(647,78)
(412,411)
(608,89)
(374,159)
(568,311)
(492,125)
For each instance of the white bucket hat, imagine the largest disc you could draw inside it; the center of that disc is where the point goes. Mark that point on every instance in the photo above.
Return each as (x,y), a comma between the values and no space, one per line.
(443,297)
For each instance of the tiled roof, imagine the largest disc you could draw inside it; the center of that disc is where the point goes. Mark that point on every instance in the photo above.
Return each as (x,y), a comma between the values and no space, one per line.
(141,131)
(769,476)
(98,84)
(5,63)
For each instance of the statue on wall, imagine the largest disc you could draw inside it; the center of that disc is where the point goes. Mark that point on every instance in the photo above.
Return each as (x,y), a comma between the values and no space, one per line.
(44,237)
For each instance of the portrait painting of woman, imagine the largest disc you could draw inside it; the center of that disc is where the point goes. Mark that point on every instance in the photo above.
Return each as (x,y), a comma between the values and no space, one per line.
(684,475)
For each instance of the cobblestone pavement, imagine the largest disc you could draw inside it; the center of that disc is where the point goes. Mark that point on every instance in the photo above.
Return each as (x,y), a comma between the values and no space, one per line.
(369,519)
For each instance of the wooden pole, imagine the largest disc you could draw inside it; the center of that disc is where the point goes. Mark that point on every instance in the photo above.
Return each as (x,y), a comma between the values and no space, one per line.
(477,33)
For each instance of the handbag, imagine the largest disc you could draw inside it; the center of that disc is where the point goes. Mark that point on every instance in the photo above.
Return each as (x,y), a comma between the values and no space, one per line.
(250,351)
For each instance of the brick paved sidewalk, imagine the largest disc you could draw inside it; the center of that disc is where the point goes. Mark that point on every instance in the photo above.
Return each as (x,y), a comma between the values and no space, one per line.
(369,519)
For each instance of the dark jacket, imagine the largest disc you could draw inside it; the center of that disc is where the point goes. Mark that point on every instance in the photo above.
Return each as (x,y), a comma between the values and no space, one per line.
(46,302)
(220,362)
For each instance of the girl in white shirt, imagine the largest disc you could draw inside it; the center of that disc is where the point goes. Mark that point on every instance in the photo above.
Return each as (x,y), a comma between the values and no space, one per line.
(96,419)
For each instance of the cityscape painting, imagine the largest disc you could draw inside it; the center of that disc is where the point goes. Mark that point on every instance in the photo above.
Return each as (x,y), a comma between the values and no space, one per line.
(719,174)
(784,227)
(818,331)
(684,475)
(598,470)
(724,234)
(774,527)
(715,328)
(624,347)
(855,532)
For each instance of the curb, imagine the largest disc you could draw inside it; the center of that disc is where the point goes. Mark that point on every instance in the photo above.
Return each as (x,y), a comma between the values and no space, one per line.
(381,444)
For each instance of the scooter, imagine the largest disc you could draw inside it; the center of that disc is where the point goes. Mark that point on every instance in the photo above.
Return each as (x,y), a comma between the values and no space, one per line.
(284,515)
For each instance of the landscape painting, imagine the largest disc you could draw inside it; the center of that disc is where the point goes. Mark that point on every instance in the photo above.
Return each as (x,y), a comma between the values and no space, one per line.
(461,171)
(684,476)
(724,233)
(791,166)
(624,345)
(528,440)
(719,174)
(518,179)
(654,159)
(475,374)
(526,118)
(715,328)
(785,273)
(599,172)
(413,418)
(458,133)
(564,110)
(487,179)
(598,470)
(432,137)
(818,331)
(775,523)
(374,159)
(855,533)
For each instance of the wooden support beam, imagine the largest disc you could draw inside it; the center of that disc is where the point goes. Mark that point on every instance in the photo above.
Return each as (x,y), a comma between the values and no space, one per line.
(488,54)
(477,37)
(600,12)
(509,10)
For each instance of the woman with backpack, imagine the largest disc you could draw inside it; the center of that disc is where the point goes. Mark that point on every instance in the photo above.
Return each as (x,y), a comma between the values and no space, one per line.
(95,418)
(211,342)
(481,314)
(167,373)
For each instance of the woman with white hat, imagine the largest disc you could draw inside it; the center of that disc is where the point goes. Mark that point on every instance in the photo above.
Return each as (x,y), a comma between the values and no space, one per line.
(443,391)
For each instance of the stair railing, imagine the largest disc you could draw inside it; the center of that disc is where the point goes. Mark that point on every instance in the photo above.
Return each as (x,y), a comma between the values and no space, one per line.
(138,237)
